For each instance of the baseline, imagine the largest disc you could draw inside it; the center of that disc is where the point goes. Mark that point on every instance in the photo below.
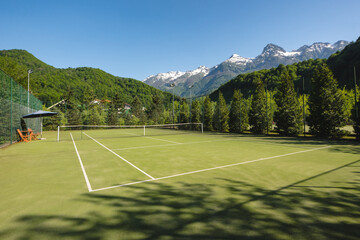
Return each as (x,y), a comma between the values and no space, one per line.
(209,169)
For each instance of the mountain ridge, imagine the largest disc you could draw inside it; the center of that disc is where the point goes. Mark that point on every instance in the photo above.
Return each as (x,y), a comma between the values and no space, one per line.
(271,56)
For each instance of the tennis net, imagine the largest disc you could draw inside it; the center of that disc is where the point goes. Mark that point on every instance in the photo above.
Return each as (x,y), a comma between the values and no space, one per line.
(80,132)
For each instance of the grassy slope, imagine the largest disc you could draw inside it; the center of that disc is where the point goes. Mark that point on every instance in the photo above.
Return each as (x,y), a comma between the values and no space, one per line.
(49,84)
(312,195)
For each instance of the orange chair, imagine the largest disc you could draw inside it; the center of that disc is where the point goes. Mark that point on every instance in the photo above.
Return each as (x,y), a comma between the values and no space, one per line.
(24,136)
(32,135)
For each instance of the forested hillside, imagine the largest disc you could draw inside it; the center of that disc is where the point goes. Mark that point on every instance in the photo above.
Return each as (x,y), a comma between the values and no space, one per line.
(50,84)
(341,63)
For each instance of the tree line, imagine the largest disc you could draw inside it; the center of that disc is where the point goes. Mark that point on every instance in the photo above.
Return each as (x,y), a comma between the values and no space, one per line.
(326,109)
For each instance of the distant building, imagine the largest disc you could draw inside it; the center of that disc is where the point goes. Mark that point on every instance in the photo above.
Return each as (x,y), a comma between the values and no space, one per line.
(127,106)
(98,101)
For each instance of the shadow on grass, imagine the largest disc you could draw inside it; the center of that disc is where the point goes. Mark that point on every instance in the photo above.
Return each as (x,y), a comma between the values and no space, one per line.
(343,146)
(226,210)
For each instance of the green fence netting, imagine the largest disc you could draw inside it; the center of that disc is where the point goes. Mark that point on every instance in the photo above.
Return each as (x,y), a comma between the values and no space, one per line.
(13,105)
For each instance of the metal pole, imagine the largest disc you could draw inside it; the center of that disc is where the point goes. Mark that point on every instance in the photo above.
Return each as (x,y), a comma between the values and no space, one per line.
(29,71)
(173,113)
(58,136)
(267,116)
(11,104)
(271,112)
(356,107)
(304,116)
(240,112)
(190,104)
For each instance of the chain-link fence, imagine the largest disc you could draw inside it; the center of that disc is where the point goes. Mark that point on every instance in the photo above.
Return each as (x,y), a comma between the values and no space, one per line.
(14,103)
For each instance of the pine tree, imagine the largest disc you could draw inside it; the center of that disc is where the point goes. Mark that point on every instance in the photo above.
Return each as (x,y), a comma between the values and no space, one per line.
(95,116)
(356,120)
(238,121)
(184,111)
(257,116)
(136,107)
(112,118)
(196,113)
(326,104)
(156,109)
(118,102)
(221,115)
(208,114)
(288,114)
(72,113)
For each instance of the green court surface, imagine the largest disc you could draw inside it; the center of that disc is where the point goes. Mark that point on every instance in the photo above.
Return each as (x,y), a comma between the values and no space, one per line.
(120,184)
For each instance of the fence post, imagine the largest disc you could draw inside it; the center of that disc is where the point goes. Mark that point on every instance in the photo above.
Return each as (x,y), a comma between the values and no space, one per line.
(58,134)
(11,104)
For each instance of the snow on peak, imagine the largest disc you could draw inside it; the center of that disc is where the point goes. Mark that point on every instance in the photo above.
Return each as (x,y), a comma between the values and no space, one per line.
(272,49)
(237,59)
(167,77)
(202,69)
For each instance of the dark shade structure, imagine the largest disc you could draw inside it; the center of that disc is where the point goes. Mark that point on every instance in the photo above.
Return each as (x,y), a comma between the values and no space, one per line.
(39,113)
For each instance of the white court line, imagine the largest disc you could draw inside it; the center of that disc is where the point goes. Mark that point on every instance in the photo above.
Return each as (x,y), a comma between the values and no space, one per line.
(163,140)
(82,166)
(222,140)
(153,138)
(209,169)
(174,144)
(120,157)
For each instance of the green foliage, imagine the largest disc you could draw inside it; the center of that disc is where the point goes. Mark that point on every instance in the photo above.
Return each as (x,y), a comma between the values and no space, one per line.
(272,77)
(258,119)
(196,113)
(112,115)
(326,104)
(50,84)
(156,109)
(288,114)
(221,115)
(342,64)
(238,118)
(208,114)
(51,123)
(72,113)
(96,116)
(137,110)
(184,112)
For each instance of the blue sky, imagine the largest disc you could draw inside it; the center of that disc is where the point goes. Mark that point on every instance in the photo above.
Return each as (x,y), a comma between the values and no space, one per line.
(137,38)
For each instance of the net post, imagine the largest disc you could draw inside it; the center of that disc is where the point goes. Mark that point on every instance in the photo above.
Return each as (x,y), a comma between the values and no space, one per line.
(58,134)
(144,130)
(202,128)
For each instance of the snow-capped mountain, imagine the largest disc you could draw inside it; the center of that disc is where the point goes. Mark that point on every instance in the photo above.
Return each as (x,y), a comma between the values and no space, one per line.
(164,80)
(205,80)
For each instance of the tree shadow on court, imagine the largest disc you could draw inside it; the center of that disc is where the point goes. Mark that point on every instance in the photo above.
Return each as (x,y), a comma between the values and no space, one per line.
(342,146)
(224,209)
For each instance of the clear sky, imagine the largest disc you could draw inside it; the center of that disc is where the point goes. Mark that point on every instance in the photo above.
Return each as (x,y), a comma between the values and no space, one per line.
(137,38)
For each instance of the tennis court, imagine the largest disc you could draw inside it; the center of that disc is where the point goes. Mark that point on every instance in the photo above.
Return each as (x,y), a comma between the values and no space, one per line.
(113,158)
(109,183)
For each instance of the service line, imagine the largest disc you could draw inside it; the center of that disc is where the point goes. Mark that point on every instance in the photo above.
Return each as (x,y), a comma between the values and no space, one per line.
(209,169)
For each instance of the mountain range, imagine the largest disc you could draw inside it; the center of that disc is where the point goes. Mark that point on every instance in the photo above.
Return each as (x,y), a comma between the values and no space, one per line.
(204,80)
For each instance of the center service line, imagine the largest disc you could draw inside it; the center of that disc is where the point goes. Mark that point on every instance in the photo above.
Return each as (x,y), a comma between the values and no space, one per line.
(120,157)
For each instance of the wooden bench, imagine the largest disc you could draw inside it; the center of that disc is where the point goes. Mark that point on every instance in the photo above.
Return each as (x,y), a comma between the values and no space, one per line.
(24,135)
(32,135)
